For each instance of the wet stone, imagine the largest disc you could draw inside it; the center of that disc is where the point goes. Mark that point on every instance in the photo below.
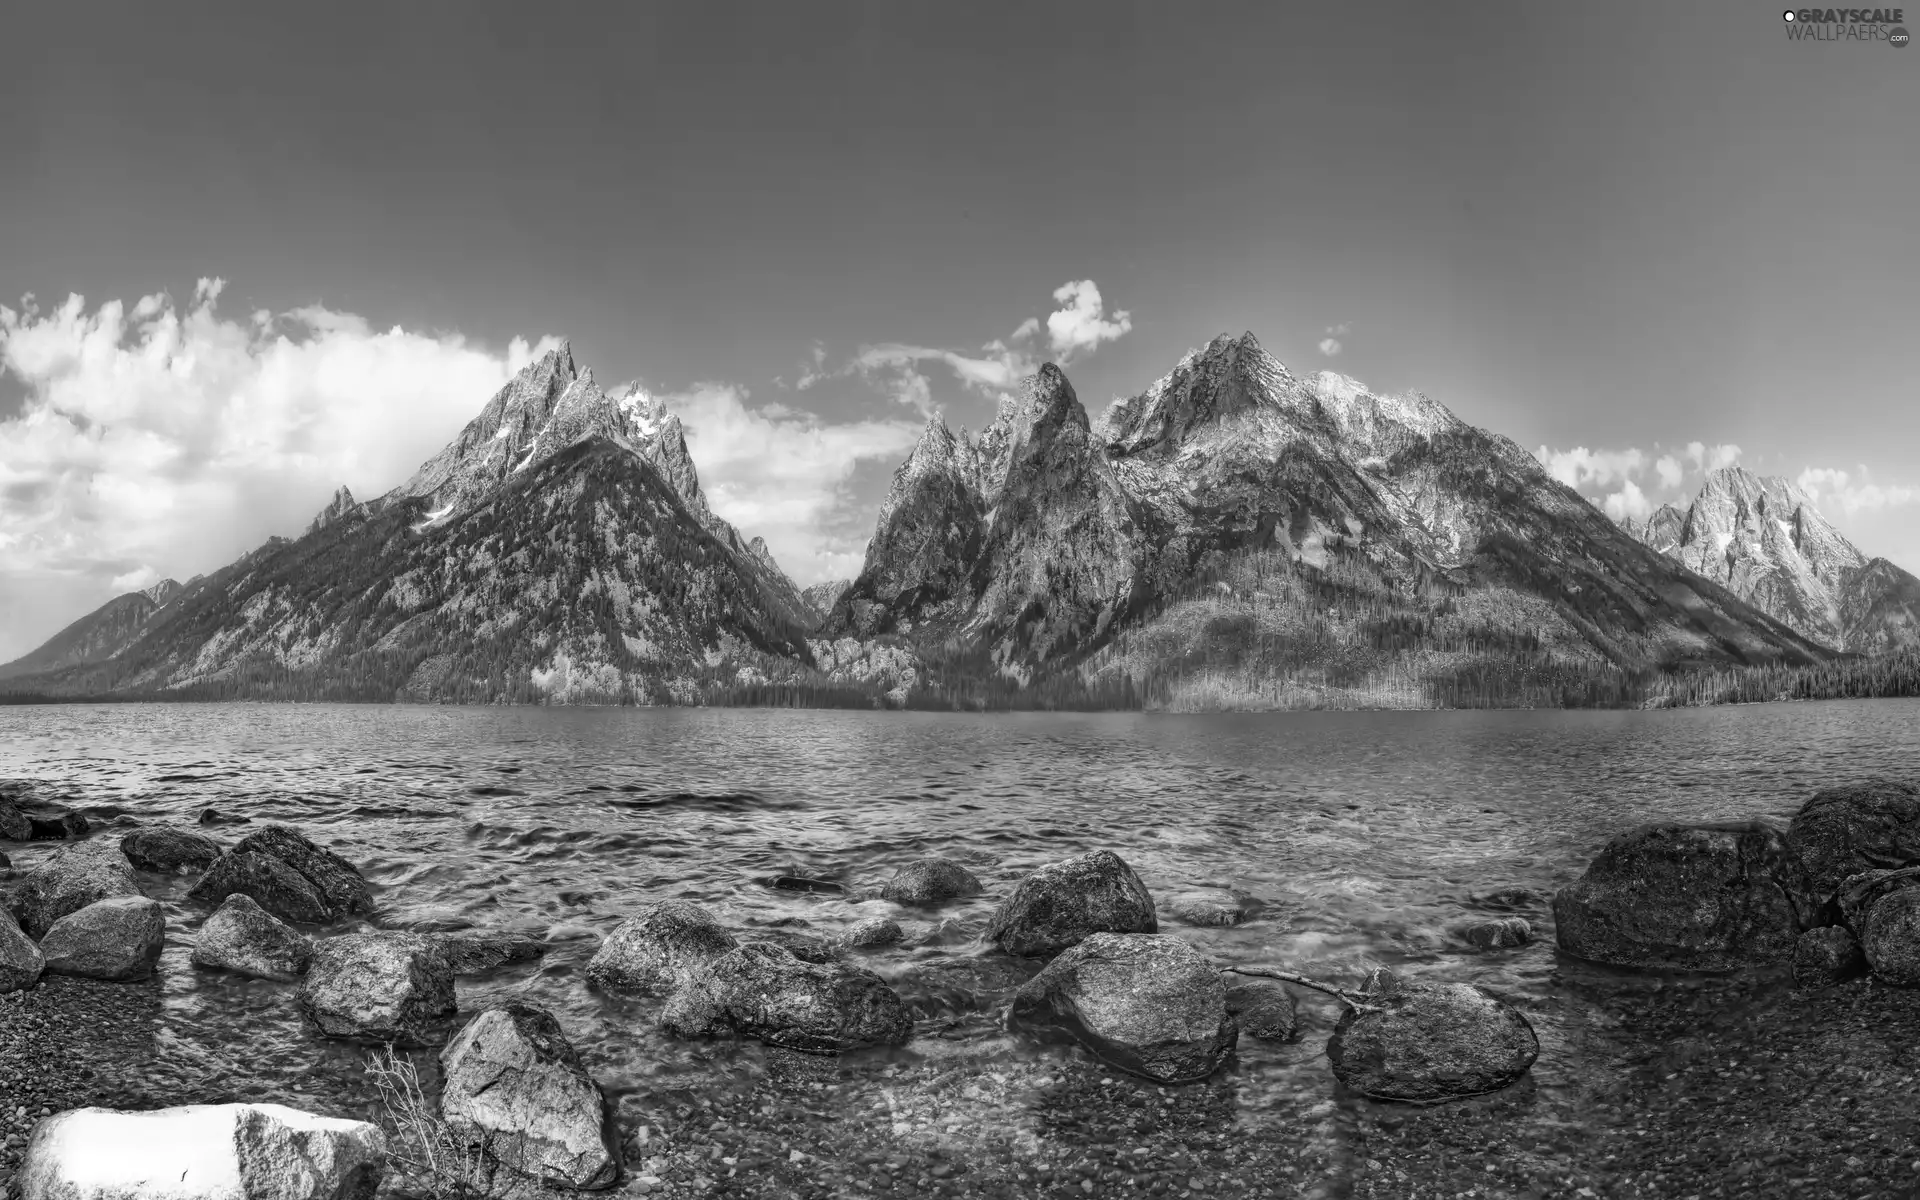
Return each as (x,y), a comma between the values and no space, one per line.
(1062,903)
(928,881)
(1892,939)
(1502,934)
(1826,956)
(1428,1042)
(162,848)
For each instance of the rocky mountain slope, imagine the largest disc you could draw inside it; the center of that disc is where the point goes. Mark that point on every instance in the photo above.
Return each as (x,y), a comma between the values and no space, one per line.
(99,635)
(558,549)
(1234,513)
(1763,539)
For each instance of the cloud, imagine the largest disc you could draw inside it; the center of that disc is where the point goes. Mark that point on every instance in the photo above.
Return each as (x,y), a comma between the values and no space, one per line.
(162,439)
(811,372)
(1330,345)
(1827,485)
(1711,458)
(1082,324)
(1581,465)
(787,476)
(1629,501)
(1669,470)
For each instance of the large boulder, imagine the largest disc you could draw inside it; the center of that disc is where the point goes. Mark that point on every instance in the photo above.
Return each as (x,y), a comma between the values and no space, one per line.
(1693,897)
(164,848)
(71,879)
(515,1086)
(1427,1042)
(925,882)
(764,991)
(1859,893)
(872,932)
(1826,956)
(246,939)
(291,877)
(1863,827)
(202,1152)
(1146,1003)
(117,938)
(660,950)
(379,987)
(1264,1010)
(475,952)
(1062,903)
(1892,939)
(15,826)
(20,960)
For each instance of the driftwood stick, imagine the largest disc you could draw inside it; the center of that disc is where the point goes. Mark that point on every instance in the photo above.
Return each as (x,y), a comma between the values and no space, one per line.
(1346,996)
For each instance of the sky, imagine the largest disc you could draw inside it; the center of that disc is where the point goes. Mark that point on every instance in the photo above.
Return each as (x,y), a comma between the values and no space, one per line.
(249,254)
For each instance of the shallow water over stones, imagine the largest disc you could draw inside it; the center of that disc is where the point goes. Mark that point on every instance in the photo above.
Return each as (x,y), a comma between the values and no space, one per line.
(1357,839)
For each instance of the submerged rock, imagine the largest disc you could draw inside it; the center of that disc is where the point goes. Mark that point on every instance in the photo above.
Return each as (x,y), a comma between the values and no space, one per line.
(1695,897)
(202,1152)
(55,824)
(20,960)
(1427,1042)
(803,883)
(1264,1010)
(515,1085)
(379,987)
(1209,906)
(973,983)
(659,950)
(1826,956)
(14,825)
(292,877)
(1064,902)
(69,881)
(763,991)
(1502,934)
(1892,938)
(474,952)
(1146,1003)
(1859,893)
(874,931)
(925,882)
(246,939)
(1864,827)
(117,938)
(161,848)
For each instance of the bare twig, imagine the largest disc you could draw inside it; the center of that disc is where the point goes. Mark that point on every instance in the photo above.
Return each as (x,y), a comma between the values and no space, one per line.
(452,1168)
(1352,999)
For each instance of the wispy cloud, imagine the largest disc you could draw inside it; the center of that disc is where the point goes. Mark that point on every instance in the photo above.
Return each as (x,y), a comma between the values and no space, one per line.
(1580,465)
(1330,345)
(1711,458)
(1853,492)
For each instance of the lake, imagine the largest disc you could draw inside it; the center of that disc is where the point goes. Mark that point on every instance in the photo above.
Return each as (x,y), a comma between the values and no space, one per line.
(1363,837)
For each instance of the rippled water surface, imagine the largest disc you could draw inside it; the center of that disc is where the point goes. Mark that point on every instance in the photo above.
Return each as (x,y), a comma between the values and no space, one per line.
(1364,837)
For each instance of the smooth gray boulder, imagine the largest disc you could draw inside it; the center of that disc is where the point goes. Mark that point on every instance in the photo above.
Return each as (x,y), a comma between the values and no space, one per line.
(379,987)
(1499,933)
(165,848)
(21,962)
(290,875)
(1206,907)
(516,1086)
(1147,1003)
(763,991)
(1264,1010)
(1826,956)
(659,950)
(1427,1042)
(1859,893)
(117,938)
(246,939)
(874,931)
(1693,897)
(1892,939)
(1063,902)
(74,877)
(1844,831)
(925,882)
(201,1152)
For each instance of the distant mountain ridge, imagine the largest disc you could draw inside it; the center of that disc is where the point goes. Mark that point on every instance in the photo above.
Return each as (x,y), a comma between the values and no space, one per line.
(99,635)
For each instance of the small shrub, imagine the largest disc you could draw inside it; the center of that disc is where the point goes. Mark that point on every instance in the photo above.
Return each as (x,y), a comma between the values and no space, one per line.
(437,1164)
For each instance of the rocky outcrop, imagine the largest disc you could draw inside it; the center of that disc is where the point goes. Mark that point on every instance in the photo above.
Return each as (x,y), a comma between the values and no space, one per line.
(1146,1003)
(1859,893)
(20,960)
(379,987)
(874,931)
(1428,1042)
(340,508)
(1502,933)
(202,1152)
(1826,956)
(117,938)
(515,1086)
(1891,939)
(663,948)
(69,881)
(1708,898)
(246,939)
(1844,831)
(926,882)
(1062,903)
(764,991)
(163,848)
(288,875)
(475,952)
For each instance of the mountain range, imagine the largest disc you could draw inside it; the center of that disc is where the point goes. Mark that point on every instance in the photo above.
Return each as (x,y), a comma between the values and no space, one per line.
(1235,535)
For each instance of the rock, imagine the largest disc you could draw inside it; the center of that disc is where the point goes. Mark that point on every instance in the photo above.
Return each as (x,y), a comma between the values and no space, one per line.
(73,878)
(213,816)
(925,882)
(6,864)
(1826,956)
(874,931)
(20,960)
(56,824)
(806,947)
(1859,893)
(1212,906)
(1863,827)
(802,883)
(161,848)
(763,991)
(1427,1042)
(1501,934)
(14,824)
(202,1152)
(660,950)
(1146,1003)
(337,880)
(1063,902)
(1264,1010)
(944,987)
(1892,939)
(1508,899)
(246,939)
(117,938)
(472,952)
(515,1085)
(272,884)
(379,987)
(1694,897)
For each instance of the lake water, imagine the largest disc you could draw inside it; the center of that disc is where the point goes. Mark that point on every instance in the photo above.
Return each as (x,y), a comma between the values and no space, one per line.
(1364,837)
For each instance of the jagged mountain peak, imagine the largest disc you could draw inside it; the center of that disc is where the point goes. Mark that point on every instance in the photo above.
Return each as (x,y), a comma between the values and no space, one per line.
(1227,377)
(163,591)
(342,505)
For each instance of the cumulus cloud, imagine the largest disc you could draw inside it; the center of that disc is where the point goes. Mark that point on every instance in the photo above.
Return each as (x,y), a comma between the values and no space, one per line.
(1330,345)
(1081,323)
(1580,465)
(1711,458)
(1853,493)
(1629,501)
(1669,469)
